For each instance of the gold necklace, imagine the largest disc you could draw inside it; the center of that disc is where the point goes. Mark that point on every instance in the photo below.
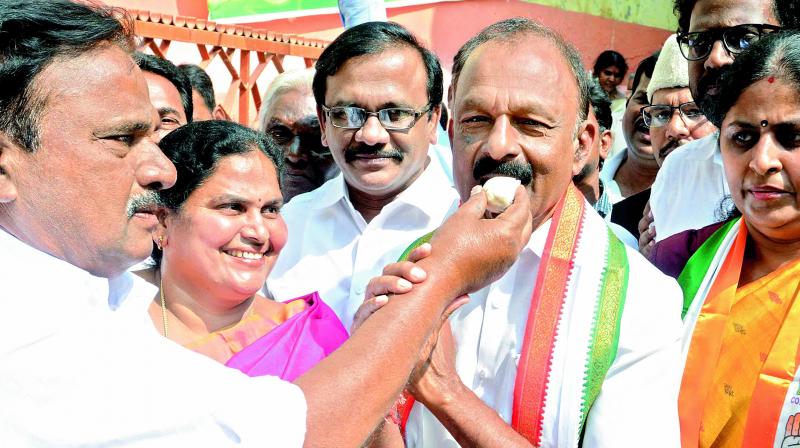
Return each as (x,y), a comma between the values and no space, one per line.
(163,306)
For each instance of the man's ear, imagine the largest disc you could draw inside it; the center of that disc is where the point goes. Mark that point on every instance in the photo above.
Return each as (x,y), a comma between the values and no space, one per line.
(8,151)
(587,135)
(433,122)
(322,123)
(606,141)
(219,113)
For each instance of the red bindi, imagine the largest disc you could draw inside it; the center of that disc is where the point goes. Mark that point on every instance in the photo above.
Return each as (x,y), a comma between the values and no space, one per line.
(771,79)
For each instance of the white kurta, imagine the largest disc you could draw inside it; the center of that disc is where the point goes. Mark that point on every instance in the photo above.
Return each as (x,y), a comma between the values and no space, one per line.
(331,249)
(637,405)
(607,174)
(689,188)
(81,364)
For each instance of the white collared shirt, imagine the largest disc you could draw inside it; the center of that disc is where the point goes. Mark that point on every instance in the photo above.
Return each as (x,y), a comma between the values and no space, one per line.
(689,188)
(637,405)
(81,364)
(331,249)
(609,172)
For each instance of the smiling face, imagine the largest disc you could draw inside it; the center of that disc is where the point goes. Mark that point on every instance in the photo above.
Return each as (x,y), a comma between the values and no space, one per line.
(292,122)
(762,163)
(374,161)
(717,14)
(167,100)
(503,126)
(226,237)
(680,130)
(79,196)
(637,135)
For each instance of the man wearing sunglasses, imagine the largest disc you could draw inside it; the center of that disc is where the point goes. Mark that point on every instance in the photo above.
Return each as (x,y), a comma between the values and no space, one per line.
(377,93)
(691,184)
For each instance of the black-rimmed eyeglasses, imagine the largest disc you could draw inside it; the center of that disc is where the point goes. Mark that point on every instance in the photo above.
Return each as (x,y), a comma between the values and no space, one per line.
(658,115)
(392,118)
(697,45)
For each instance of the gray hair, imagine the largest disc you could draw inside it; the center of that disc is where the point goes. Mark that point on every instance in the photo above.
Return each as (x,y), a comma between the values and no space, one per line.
(285,82)
(511,29)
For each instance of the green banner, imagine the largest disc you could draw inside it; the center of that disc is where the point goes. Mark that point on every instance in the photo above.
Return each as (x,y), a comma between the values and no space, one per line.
(225,9)
(654,13)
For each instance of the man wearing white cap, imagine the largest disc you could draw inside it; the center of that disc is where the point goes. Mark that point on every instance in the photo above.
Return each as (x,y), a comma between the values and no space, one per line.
(673,119)
(672,115)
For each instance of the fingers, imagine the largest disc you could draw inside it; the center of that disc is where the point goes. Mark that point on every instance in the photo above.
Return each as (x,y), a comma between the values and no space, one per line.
(419,253)
(387,284)
(406,270)
(476,204)
(366,309)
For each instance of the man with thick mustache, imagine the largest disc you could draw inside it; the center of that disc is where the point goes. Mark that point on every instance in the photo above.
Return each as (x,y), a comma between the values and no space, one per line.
(691,185)
(575,342)
(378,93)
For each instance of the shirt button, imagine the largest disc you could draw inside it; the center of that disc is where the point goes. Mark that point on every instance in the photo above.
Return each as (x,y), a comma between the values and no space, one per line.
(482,374)
(496,302)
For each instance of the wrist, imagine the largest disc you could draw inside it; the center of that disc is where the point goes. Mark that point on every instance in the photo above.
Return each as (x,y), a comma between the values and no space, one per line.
(446,395)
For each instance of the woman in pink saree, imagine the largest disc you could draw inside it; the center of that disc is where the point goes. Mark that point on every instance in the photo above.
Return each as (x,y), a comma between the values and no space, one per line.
(219,234)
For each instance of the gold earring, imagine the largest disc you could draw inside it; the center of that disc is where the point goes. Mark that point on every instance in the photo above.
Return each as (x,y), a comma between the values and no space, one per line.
(160,242)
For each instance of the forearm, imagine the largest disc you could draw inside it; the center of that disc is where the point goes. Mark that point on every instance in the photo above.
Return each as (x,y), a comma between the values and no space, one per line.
(349,392)
(472,423)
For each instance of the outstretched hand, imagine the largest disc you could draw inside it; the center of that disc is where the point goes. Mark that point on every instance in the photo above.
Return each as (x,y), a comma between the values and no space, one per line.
(470,250)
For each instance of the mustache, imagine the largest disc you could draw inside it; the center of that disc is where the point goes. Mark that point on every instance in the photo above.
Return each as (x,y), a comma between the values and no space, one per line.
(376,151)
(488,166)
(147,201)
(671,144)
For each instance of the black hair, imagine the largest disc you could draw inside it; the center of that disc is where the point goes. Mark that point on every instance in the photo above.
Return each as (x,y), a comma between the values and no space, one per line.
(610,58)
(777,54)
(201,82)
(372,38)
(788,13)
(781,9)
(170,72)
(35,33)
(196,149)
(645,68)
(444,117)
(510,29)
(601,105)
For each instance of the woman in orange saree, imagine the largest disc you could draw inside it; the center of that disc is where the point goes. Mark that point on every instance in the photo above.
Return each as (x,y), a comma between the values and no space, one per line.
(741,284)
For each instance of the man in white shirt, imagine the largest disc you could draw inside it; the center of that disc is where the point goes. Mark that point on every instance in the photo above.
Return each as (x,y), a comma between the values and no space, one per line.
(378,93)
(80,362)
(528,368)
(690,187)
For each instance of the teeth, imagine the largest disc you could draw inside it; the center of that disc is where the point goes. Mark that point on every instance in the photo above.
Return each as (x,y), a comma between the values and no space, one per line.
(245,255)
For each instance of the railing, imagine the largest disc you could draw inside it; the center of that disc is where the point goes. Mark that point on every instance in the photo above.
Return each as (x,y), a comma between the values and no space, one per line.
(229,43)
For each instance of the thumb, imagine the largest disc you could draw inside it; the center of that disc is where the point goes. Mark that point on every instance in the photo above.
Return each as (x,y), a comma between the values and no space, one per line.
(475,206)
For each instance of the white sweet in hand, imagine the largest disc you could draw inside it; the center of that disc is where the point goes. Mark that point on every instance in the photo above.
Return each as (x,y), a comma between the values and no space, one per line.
(500,193)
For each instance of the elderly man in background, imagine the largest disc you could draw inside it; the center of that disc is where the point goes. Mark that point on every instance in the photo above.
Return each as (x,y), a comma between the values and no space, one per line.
(289,115)
(204,103)
(80,363)
(581,333)
(170,92)
(378,93)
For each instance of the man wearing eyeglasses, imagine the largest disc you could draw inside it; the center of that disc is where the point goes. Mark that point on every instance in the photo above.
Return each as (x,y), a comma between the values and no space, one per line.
(691,183)
(672,115)
(378,93)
